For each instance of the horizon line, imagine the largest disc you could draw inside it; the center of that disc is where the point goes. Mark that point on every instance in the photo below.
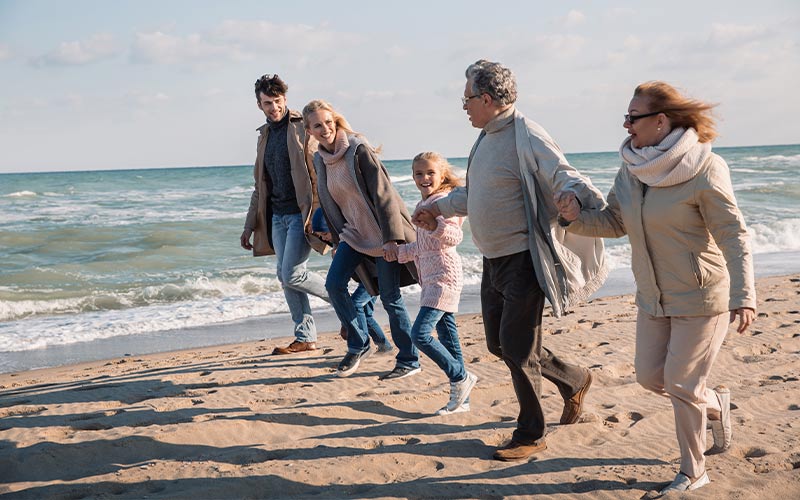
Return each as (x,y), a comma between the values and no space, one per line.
(174,167)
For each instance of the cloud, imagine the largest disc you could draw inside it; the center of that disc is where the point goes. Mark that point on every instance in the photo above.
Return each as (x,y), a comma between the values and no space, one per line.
(161,48)
(574,18)
(731,35)
(79,53)
(5,52)
(234,40)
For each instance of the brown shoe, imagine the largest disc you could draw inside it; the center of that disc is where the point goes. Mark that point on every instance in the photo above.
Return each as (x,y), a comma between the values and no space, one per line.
(296,346)
(519,451)
(343,332)
(573,407)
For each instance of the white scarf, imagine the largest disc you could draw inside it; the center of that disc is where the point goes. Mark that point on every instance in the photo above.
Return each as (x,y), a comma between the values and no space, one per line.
(676,159)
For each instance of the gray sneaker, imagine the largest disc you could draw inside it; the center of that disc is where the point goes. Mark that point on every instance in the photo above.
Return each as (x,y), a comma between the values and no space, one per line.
(350,362)
(459,391)
(400,372)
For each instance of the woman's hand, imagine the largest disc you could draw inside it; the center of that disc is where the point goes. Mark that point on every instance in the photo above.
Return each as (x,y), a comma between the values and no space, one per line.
(390,251)
(746,318)
(567,204)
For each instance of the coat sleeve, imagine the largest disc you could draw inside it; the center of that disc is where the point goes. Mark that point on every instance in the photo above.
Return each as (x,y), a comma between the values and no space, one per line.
(454,204)
(605,222)
(554,173)
(250,220)
(724,221)
(390,209)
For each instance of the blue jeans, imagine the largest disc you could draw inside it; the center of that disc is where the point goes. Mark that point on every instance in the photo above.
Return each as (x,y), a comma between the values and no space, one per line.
(342,268)
(445,352)
(292,251)
(365,304)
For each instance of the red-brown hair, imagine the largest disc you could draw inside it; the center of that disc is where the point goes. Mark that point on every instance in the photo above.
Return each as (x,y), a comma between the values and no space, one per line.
(682,111)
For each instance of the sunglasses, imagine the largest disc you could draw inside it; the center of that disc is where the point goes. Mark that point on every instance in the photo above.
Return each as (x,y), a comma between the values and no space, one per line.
(632,118)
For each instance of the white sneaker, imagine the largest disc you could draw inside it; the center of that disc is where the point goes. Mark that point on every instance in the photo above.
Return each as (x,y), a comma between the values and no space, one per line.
(721,429)
(459,391)
(683,483)
(444,411)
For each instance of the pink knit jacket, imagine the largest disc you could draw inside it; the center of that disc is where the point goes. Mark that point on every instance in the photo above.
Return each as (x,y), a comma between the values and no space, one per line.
(438,262)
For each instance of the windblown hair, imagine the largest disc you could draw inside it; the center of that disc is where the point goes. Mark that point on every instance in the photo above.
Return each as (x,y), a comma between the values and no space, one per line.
(494,79)
(682,111)
(449,178)
(271,85)
(338,119)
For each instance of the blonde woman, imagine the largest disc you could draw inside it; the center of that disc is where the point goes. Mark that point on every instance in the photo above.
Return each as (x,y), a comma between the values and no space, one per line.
(690,256)
(367,218)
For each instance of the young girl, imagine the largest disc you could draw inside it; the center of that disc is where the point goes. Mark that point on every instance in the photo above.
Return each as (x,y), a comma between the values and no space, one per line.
(440,275)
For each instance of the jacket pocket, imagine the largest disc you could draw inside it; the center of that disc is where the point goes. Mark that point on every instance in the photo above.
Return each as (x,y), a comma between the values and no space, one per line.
(698,275)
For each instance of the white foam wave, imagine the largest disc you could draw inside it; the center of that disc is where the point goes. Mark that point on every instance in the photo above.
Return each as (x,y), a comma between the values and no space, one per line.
(21,194)
(792,159)
(200,288)
(778,236)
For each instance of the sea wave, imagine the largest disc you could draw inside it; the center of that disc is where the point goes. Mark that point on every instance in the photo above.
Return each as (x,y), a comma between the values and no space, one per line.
(21,194)
(21,304)
(790,159)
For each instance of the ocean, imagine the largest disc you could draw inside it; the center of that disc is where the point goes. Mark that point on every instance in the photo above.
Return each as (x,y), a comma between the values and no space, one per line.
(119,258)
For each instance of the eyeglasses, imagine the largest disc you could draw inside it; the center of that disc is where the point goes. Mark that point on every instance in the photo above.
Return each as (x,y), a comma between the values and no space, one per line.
(465,99)
(632,118)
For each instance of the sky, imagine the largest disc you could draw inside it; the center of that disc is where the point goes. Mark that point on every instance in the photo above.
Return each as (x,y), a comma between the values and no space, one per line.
(90,85)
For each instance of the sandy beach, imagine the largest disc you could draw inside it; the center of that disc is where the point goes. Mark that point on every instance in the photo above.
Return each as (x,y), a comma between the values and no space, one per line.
(236,422)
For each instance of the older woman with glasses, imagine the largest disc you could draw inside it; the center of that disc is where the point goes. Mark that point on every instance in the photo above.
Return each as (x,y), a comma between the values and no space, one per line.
(691,261)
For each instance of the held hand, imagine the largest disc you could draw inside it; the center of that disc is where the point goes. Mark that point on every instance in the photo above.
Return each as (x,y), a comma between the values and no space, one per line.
(425,218)
(390,251)
(746,318)
(567,205)
(244,239)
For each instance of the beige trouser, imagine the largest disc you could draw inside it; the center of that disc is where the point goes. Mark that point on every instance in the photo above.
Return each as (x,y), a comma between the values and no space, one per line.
(674,356)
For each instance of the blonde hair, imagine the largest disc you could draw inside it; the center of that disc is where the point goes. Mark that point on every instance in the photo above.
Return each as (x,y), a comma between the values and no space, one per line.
(338,119)
(682,111)
(449,178)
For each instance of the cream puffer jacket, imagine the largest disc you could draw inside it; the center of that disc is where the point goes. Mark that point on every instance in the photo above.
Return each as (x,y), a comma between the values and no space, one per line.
(690,248)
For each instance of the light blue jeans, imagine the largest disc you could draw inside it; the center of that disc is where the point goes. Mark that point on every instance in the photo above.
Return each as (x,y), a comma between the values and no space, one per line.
(342,268)
(292,251)
(445,352)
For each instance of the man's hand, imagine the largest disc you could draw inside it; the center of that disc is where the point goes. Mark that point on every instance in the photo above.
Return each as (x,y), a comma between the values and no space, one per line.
(426,217)
(244,239)
(390,251)
(746,318)
(567,204)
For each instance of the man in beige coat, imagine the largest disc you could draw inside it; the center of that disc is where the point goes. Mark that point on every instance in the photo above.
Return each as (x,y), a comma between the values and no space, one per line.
(284,197)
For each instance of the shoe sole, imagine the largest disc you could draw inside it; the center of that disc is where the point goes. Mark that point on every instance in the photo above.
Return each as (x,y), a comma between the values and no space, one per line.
(407,374)
(460,409)
(518,459)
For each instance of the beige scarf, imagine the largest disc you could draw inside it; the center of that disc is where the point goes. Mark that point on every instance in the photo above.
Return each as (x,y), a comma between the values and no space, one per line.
(676,159)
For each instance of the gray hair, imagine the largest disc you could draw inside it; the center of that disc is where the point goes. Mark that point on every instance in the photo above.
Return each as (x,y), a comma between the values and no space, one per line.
(494,79)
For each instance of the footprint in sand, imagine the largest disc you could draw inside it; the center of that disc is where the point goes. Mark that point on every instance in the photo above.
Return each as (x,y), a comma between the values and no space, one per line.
(631,417)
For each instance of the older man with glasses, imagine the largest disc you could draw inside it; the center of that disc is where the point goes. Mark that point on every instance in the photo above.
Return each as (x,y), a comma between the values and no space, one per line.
(514,168)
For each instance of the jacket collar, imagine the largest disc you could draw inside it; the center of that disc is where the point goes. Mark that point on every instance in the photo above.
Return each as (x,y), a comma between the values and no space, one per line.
(294,116)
